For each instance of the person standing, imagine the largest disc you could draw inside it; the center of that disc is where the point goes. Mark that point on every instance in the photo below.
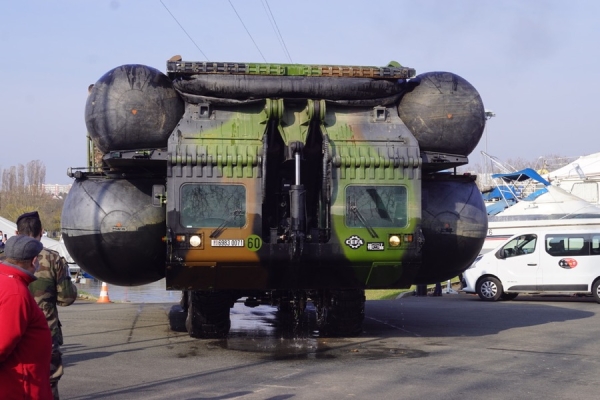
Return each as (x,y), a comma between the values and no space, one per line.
(53,287)
(25,340)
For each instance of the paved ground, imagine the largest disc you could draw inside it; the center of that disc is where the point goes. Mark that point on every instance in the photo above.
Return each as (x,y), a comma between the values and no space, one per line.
(449,347)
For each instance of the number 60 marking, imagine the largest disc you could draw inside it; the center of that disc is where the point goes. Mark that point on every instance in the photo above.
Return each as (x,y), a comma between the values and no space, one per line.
(254,242)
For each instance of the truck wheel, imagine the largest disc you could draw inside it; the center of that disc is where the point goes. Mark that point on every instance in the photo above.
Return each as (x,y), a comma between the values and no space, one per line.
(208,314)
(285,317)
(342,314)
(596,290)
(177,317)
(489,289)
(290,310)
(508,296)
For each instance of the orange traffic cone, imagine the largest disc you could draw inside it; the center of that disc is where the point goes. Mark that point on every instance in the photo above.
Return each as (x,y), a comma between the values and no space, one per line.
(103,294)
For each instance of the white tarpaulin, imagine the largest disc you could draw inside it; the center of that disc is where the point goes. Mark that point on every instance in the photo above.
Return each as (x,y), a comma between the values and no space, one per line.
(9,228)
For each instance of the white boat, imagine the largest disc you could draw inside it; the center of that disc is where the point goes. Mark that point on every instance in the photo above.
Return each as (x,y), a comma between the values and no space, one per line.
(511,187)
(550,206)
(581,178)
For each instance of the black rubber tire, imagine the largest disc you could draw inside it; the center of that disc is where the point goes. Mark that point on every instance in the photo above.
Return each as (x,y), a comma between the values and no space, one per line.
(508,296)
(291,311)
(489,289)
(344,315)
(596,290)
(285,314)
(208,314)
(177,317)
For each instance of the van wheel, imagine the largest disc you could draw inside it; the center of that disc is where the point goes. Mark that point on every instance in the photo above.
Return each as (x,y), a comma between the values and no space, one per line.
(489,289)
(508,296)
(596,290)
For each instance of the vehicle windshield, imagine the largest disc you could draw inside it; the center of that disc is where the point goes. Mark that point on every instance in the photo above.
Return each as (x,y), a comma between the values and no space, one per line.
(378,206)
(212,206)
(521,245)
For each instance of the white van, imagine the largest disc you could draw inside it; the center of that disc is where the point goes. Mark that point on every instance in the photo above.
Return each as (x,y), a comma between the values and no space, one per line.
(542,261)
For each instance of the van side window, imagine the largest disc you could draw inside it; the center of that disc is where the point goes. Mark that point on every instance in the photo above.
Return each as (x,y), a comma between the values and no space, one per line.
(567,245)
(521,245)
(577,246)
(595,245)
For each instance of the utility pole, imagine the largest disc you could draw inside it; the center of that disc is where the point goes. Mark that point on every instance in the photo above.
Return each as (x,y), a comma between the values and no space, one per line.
(488,114)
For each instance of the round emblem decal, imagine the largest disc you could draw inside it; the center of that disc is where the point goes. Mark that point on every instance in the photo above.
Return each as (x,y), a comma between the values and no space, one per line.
(567,263)
(354,242)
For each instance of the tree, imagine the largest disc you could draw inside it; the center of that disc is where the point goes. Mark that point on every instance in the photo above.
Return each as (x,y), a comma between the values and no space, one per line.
(36,176)
(23,191)
(543,165)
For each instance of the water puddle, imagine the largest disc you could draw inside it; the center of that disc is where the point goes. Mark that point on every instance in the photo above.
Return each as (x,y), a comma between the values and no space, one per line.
(258,330)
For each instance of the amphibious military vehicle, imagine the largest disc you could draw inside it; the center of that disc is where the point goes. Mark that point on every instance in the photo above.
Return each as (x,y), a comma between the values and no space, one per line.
(276,184)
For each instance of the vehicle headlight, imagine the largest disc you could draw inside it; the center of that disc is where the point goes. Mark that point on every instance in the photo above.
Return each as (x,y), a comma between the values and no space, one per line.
(476,261)
(394,241)
(195,241)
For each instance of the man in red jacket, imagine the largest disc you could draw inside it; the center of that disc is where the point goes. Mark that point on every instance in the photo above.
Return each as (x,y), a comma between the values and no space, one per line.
(25,341)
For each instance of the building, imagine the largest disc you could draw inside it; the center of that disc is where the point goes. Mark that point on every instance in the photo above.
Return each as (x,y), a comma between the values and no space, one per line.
(56,189)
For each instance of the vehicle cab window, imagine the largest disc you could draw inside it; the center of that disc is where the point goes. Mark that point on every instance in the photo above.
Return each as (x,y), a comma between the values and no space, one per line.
(213,205)
(376,206)
(521,245)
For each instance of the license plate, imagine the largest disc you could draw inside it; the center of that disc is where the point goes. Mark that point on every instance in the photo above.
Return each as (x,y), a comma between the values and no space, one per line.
(227,242)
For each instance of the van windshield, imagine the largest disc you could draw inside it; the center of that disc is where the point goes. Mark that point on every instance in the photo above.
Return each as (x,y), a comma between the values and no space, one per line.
(521,245)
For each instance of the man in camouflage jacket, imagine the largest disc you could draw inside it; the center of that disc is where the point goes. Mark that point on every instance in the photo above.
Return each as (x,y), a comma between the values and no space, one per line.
(53,287)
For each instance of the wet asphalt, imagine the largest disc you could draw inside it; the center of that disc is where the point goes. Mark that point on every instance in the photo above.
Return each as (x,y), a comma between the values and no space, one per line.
(449,347)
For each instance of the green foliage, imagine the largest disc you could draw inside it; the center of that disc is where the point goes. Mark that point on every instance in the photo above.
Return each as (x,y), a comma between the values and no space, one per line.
(385,294)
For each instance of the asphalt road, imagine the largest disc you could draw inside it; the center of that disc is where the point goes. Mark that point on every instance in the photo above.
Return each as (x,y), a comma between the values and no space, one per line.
(449,347)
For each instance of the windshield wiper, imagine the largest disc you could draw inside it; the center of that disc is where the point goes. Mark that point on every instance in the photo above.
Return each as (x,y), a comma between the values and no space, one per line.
(217,232)
(362,219)
(381,209)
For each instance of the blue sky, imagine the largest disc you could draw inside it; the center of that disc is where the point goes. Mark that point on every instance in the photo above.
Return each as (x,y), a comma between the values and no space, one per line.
(535,63)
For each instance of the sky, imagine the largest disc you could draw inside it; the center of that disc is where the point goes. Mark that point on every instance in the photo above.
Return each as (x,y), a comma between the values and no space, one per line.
(536,64)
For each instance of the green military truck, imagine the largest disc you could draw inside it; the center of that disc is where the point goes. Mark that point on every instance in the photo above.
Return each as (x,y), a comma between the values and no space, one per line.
(276,184)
